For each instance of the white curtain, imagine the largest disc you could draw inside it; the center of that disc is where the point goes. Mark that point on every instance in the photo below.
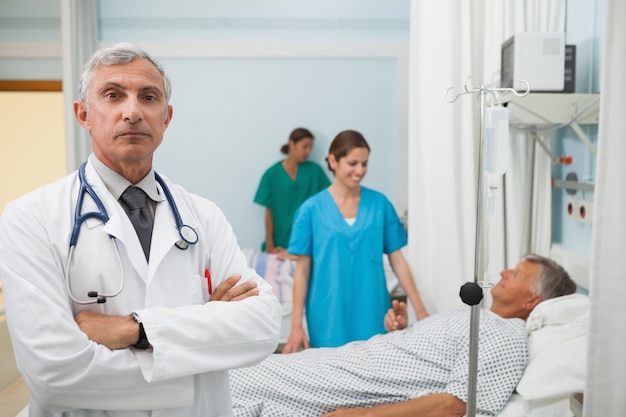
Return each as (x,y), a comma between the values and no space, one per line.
(80,38)
(441,152)
(449,42)
(606,369)
(524,224)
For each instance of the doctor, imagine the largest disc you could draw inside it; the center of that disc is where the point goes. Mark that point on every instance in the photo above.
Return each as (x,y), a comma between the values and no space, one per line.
(169,319)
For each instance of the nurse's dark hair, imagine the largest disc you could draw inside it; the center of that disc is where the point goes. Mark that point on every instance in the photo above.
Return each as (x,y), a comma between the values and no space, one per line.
(553,280)
(121,53)
(344,143)
(296,136)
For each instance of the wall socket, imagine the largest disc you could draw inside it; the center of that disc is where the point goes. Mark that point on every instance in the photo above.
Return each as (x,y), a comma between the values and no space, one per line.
(571,208)
(579,210)
(585,211)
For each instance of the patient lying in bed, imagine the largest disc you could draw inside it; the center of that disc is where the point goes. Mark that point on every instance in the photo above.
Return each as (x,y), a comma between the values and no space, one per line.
(422,369)
(428,357)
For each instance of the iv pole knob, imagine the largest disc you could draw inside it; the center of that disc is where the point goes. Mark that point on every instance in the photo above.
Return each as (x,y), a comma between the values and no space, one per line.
(471,293)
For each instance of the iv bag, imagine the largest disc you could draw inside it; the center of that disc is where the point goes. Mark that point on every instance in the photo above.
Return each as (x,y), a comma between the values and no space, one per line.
(496,136)
(495,164)
(495,151)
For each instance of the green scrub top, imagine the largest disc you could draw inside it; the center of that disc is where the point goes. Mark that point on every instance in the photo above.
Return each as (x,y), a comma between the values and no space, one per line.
(278,192)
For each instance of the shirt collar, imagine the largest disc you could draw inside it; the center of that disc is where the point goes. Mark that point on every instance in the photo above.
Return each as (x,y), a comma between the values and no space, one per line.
(116,184)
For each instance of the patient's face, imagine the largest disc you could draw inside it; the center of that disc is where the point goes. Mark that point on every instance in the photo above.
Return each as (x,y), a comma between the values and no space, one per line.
(514,288)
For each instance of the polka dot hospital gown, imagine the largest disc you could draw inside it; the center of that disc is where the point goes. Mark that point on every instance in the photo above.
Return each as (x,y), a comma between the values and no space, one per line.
(431,356)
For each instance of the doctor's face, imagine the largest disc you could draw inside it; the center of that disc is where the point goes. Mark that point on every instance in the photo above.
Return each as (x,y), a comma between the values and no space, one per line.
(128,114)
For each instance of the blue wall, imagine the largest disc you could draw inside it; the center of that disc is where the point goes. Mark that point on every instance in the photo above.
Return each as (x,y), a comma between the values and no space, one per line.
(584,28)
(232,115)
(233,111)
(244,74)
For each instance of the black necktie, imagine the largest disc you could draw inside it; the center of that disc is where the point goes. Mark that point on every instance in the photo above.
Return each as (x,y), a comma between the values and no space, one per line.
(136,205)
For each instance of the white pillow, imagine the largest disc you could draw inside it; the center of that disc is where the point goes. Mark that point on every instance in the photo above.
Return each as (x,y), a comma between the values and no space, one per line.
(557,333)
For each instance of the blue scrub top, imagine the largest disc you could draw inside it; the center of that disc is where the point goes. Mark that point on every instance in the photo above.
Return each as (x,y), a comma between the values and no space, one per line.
(347,297)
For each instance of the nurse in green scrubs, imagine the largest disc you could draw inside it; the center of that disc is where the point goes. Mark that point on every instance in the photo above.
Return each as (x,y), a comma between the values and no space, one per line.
(284,187)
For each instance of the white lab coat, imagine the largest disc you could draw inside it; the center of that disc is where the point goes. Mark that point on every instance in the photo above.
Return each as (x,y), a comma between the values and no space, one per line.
(195,342)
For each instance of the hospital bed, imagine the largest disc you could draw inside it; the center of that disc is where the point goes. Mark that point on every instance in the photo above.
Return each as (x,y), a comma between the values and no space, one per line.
(557,331)
(279,274)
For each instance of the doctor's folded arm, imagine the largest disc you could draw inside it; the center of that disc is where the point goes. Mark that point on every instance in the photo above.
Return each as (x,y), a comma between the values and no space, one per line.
(123,309)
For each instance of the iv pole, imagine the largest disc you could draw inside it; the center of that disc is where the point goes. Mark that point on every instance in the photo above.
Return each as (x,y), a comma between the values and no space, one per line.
(471,292)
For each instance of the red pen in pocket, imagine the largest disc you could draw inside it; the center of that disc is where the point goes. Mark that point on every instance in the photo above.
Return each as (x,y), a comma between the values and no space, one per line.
(207,275)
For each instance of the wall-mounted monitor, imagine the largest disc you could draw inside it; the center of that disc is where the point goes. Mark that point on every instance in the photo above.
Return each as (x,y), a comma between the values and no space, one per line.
(536,57)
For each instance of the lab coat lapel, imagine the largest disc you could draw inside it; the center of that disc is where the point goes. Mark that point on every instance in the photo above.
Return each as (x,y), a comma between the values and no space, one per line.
(164,234)
(119,225)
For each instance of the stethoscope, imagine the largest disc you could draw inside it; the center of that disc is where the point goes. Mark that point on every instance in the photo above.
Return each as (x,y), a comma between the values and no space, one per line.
(188,235)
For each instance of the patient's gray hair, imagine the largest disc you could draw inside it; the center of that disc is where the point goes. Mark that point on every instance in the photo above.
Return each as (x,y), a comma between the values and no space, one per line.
(553,280)
(121,53)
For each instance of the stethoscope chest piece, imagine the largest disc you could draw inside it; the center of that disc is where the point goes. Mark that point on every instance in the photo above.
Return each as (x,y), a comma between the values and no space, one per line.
(188,235)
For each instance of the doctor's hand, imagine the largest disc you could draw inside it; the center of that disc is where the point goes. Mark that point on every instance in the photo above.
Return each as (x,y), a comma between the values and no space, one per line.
(114,332)
(396,317)
(228,290)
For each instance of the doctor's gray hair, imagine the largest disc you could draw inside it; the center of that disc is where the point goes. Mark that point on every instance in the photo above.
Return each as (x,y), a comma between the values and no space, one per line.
(553,280)
(121,53)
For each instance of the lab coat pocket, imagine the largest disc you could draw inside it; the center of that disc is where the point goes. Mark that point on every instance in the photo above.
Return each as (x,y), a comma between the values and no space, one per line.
(199,289)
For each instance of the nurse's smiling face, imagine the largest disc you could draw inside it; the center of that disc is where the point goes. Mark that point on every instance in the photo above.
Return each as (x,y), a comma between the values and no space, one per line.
(350,169)
(127,116)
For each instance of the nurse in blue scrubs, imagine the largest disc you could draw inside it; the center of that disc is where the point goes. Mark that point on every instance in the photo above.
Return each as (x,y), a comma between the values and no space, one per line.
(339,237)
